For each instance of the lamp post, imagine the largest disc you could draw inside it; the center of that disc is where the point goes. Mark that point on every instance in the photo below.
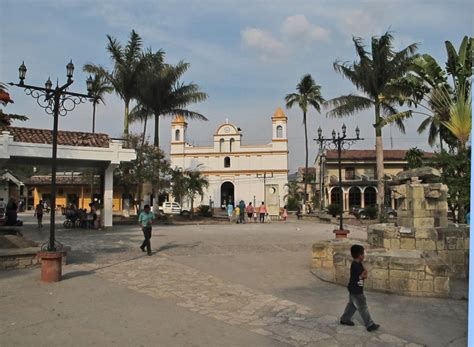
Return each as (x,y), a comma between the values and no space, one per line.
(340,143)
(57,102)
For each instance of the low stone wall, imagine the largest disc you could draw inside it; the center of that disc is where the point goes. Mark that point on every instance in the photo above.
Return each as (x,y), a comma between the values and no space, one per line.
(399,272)
(18,258)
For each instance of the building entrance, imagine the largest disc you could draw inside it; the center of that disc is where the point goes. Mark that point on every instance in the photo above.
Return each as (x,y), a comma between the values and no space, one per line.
(227,193)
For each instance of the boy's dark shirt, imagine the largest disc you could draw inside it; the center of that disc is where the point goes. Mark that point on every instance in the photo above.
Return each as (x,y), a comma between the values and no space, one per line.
(356,285)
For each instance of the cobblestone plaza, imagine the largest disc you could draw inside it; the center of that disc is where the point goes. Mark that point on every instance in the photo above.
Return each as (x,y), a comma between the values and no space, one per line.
(235,285)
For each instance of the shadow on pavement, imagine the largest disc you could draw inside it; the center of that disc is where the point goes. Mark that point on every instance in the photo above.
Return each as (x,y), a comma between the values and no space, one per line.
(74,274)
(171,245)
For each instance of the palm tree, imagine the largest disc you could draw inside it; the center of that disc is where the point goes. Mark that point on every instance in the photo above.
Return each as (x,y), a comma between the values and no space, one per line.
(162,93)
(100,86)
(178,184)
(195,184)
(141,113)
(372,75)
(293,195)
(127,71)
(309,94)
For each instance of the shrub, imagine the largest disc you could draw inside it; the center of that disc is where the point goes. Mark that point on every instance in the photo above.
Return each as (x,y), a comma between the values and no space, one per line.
(292,204)
(334,210)
(371,212)
(204,211)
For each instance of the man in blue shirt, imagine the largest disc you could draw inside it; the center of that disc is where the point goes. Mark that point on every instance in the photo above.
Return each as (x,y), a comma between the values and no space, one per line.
(145,219)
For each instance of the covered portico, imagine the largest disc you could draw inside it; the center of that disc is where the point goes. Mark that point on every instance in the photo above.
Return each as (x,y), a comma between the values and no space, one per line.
(99,152)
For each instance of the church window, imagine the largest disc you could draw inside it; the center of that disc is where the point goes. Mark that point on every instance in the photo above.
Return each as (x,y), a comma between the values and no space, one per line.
(177,135)
(231,145)
(279,131)
(226,162)
(221,145)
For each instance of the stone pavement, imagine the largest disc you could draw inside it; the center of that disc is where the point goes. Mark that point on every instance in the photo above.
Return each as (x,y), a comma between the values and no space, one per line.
(235,304)
(250,280)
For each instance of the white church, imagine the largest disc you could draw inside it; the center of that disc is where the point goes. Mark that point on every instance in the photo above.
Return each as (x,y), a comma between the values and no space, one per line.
(236,171)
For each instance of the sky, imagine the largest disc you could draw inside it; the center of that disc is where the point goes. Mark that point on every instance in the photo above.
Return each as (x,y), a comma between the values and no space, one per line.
(247,55)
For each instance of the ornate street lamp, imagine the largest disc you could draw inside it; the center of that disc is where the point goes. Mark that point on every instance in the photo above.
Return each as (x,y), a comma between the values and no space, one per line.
(340,143)
(57,102)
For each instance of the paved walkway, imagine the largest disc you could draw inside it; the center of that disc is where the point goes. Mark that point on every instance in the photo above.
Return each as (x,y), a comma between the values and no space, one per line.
(253,278)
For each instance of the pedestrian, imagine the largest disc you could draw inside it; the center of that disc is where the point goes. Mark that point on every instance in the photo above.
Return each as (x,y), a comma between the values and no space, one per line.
(298,212)
(357,301)
(262,212)
(250,211)
(237,214)
(242,211)
(146,220)
(285,213)
(11,213)
(39,210)
(230,211)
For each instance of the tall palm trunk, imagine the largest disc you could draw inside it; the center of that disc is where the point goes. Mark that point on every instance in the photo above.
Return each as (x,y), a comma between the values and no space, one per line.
(144,131)
(156,142)
(305,175)
(125,118)
(379,160)
(93,117)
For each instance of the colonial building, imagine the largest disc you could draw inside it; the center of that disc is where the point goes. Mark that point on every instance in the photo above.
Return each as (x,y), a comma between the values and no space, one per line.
(359,176)
(236,171)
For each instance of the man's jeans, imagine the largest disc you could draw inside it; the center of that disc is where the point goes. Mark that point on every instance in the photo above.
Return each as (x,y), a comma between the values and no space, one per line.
(146,243)
(357,302)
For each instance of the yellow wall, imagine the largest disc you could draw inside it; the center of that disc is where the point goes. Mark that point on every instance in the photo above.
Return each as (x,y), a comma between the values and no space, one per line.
(82,192)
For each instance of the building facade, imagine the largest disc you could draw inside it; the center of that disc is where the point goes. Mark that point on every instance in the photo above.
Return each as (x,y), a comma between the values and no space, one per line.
(359,176)
(236,171)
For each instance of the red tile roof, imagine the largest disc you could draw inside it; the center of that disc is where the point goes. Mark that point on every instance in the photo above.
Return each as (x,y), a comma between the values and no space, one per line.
(61,180)
(65,138)
(311,170)
(369,154)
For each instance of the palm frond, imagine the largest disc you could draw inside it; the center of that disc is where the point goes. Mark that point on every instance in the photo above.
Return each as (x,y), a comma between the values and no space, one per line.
(346,105)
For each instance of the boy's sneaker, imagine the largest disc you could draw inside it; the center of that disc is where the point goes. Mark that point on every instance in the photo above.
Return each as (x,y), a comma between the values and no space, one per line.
(373,327)
(347,323)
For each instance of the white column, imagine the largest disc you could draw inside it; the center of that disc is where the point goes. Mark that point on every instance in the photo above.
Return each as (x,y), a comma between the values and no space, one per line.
(108,195)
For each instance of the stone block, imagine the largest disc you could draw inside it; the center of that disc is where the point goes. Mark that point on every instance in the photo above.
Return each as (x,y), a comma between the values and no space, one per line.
(425,286)
(441,285)
(440,245)
(404,274)
(24,262)
(386,243)
(407,266)
(398,285)
(412,285)
(327,264)
(316,263)
(456,257)
(426,233)
(423,222)
(429,277)
(380,284)
(319,251)
(437,270)
(395,243)
(425,245)
(339,259)
(460,243)
(380,274)
(407,243)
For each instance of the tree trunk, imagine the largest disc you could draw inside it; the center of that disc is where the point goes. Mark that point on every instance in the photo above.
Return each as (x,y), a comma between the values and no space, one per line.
(156,143)
(379,160)
(125,118)
(305,175)
(144,132)
(93,117)
(440,142)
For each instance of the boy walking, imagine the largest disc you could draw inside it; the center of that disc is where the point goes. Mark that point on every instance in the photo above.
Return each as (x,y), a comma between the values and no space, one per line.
(357,301)
(145,219)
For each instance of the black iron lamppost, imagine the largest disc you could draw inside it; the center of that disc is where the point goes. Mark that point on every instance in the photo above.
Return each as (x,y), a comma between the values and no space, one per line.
(57,102)
(340,143)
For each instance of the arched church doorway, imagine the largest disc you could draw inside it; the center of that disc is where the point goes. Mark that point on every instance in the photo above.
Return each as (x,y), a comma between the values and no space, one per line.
(227,193)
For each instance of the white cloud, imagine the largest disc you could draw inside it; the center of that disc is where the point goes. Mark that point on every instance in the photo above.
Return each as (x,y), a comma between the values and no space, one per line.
(297,27)
(264,43)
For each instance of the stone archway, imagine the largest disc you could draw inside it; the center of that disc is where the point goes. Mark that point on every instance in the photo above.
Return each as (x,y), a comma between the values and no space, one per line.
(335,195)
(370,196)
(227,193)
(355,197)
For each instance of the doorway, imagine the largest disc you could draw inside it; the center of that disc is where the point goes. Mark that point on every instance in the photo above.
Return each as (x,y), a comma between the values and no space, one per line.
(227,193)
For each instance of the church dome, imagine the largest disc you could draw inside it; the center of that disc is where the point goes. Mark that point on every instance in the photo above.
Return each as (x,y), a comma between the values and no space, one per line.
(279,113)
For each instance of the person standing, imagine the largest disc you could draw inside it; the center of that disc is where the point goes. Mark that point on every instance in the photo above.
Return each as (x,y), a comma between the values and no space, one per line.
(39,210)
(230,211)
(285,213)
(146,220)
(11,213)
(250,211)
(242,211)
(262,212)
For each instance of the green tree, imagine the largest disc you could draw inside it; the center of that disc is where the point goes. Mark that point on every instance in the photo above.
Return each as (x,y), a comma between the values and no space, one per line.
(414,157)
(195,184)
(293,195)
(178,184)
(127,71)
(372,74)
(163,94)
(308,94)
(100,87)
(7,118)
